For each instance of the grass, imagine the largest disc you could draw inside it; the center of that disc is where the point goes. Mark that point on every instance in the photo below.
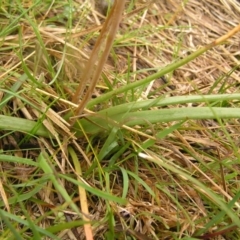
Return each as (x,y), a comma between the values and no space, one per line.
(150,151)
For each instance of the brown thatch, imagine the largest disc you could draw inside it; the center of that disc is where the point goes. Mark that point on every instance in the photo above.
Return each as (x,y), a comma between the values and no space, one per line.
(158,33)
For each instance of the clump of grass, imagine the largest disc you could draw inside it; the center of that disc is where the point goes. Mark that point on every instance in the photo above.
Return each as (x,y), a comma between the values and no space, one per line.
(127,132)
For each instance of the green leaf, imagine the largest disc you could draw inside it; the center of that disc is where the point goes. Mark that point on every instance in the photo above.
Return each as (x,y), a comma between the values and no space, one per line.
(26,223)
(50,173)
(13,159)
(23,125)
(96,124)
(95,191)
(140,181)
(125,182)
(24,196)
(66,225)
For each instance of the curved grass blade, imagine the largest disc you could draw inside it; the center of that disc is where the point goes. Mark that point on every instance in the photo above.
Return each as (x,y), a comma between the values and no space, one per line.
(104,123)
(23,125)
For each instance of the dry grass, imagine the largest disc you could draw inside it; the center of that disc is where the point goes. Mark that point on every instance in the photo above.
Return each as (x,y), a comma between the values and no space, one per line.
(44,59)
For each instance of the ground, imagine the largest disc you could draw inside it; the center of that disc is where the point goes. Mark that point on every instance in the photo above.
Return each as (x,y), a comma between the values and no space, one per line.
(152,149)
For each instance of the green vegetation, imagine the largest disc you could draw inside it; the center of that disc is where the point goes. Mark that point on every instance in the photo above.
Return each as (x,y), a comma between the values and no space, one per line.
(119,133)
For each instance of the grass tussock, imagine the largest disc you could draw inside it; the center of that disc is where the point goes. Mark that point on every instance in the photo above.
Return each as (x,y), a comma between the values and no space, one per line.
(121,121)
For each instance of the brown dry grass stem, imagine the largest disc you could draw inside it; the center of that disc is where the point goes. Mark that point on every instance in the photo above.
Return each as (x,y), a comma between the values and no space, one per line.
(224,38)
(98,56)
(91,75)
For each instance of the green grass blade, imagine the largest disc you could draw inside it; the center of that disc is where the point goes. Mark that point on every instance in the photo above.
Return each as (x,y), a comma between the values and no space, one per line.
(155,116)
(109,144)
(140,181)
(125,182)
(12,229)
(23,125)
(14,159)
(50,172)
(66,225)
(160,135)
(171,67)
(13,89)
(201,188)
(19,220)
(97,192)
(24,196)
(167,101)
(219,217)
